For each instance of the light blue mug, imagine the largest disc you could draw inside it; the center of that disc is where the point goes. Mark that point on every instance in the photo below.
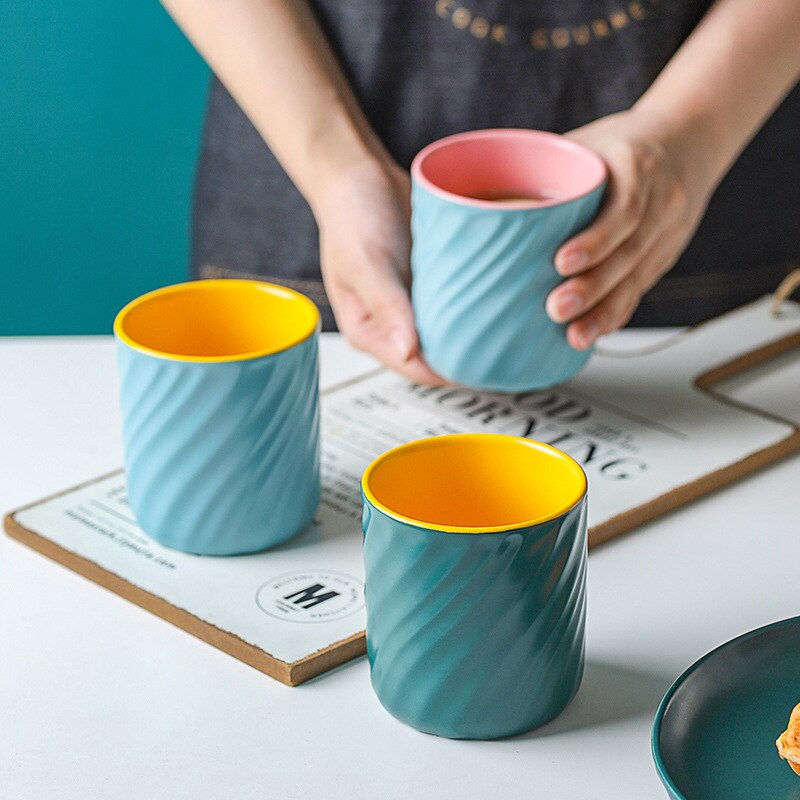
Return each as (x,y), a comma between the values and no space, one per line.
(475,559)
(489,210)
(219,395)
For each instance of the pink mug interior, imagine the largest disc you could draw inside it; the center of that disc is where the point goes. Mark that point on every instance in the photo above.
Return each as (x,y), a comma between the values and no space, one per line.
(479,167)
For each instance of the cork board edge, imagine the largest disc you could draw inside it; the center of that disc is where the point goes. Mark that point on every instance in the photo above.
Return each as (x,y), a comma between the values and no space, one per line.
(712,481)
(288,673)
(295,673)
(685,494)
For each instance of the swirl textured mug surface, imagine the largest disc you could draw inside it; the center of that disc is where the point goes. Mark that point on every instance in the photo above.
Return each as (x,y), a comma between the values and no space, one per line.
(482,268)
(475,557)
(219,395)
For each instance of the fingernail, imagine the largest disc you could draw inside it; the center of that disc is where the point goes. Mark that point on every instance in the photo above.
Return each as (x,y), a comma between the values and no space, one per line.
(589,335)
(564,306)
(571,262)
(401,346)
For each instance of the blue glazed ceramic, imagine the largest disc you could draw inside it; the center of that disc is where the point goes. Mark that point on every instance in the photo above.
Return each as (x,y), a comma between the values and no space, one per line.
(218,386)
(482,268)
(475,631)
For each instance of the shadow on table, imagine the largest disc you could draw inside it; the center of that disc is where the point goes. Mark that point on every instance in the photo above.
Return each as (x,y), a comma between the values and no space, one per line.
(609,693)
(326,527)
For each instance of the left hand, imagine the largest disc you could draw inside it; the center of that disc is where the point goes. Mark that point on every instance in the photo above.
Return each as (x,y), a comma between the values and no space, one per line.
(657,194)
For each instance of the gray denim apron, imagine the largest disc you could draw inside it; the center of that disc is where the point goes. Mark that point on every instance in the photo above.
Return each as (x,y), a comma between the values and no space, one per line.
(423,69)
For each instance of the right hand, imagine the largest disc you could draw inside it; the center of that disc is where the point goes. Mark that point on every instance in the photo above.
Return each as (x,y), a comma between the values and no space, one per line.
(365,245)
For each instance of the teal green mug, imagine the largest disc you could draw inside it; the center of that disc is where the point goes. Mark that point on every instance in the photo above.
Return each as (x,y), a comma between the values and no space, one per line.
(489,210)
(219,395)
(475,557)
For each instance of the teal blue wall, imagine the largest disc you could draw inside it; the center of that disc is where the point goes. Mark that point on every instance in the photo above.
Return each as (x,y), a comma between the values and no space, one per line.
(100,111)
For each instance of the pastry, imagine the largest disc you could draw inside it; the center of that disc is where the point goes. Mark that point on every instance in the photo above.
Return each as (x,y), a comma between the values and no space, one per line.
(788,743)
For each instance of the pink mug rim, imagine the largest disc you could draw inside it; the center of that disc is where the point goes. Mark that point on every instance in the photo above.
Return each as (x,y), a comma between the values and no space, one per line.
(506,133)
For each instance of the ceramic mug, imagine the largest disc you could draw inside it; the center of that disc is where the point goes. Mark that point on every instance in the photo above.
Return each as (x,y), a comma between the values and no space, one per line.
(482,268)
(475,555)
(219,394)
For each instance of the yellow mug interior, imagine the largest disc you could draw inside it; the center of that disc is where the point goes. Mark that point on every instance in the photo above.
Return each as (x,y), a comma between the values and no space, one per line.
(474,483)
(217,320)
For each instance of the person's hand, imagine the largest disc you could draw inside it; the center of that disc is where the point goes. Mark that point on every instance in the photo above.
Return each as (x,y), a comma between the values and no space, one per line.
(365,246)
(657,193)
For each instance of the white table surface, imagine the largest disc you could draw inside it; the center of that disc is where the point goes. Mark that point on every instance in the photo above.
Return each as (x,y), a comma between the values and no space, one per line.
(99,699)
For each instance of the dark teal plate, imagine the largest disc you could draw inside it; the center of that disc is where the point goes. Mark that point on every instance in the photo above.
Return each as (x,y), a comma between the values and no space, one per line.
(715,730)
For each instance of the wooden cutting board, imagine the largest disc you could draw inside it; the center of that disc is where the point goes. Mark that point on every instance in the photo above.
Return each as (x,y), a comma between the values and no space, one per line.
(650,428)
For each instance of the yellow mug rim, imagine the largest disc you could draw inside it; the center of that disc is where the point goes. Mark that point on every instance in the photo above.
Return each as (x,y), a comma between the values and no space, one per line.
(417,444)
(177,288)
